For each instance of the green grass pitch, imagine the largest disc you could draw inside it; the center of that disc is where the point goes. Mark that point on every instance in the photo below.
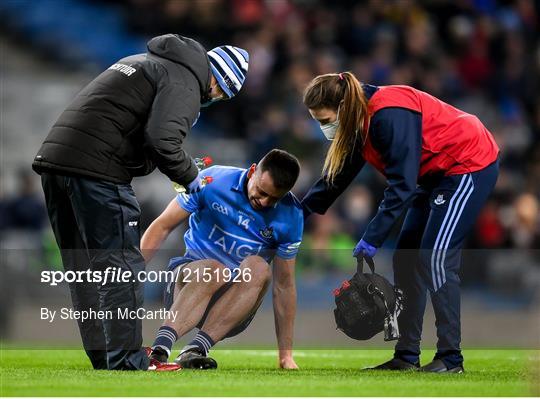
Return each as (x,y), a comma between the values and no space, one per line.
(254,373)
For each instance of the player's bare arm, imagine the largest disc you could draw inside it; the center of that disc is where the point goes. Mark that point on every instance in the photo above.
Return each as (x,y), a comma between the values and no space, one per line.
(284,299)
(160,229)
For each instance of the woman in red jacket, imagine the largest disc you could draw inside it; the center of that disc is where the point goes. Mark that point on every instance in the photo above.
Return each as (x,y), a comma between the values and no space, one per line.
(440,163)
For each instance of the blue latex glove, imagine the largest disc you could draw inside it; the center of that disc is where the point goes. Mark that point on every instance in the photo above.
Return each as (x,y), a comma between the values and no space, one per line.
(195,186)
(364,249)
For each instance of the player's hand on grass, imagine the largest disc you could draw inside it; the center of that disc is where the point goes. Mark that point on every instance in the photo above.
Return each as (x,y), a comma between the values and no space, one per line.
(287,363)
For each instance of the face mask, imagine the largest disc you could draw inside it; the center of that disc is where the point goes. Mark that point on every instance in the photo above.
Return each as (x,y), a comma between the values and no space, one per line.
(211,100)
(329,130)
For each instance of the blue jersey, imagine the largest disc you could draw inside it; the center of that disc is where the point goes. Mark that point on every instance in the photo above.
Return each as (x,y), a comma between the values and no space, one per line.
(223,225)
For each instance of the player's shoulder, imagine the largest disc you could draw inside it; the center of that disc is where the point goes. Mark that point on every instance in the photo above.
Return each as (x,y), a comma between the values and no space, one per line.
(289,220)
(290,206)
(223,179)
(224,175)
(222,170)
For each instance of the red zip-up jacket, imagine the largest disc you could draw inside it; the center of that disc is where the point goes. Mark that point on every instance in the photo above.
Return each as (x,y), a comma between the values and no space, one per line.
(453,142)
(410,137)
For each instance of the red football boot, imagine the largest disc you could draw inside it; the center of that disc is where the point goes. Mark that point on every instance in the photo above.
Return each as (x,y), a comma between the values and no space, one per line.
(156,365)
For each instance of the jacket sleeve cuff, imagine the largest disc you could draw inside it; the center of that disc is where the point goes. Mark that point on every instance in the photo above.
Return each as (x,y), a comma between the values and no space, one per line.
(188,176)
(306,210)
(373,238)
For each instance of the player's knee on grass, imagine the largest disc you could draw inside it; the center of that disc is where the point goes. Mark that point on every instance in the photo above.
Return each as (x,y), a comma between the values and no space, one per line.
(259,270)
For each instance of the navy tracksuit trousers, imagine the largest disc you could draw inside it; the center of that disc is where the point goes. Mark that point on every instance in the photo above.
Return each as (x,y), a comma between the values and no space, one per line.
(96,226)
(428,257)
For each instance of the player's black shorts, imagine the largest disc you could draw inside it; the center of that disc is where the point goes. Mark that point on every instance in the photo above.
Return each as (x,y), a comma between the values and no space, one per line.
(168,298)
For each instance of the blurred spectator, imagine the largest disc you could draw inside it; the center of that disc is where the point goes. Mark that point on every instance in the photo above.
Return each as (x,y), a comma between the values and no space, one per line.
(490,232)
(326,248)
(358,209)
(25,210)
(523,222)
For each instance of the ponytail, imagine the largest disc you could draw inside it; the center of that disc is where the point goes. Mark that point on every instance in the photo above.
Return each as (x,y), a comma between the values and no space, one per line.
(344,92)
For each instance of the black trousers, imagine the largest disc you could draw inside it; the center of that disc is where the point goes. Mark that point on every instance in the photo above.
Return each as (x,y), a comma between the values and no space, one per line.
(428,259)
(96,225)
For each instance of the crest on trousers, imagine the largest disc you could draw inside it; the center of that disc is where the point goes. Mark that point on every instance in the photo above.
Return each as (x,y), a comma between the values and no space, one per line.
(439,200)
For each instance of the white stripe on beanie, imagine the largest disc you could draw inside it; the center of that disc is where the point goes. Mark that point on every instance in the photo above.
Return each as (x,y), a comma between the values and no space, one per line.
(232,62)
(228,71)
(242,61)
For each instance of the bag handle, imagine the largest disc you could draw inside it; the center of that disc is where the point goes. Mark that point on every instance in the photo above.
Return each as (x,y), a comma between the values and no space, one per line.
(360,264)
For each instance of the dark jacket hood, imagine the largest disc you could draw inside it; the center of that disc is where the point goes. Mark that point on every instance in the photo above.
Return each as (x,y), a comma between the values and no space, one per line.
(185,51)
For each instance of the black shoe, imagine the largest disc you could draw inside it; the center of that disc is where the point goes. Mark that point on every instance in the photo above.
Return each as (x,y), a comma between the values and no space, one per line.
(192,358)
(396,364)
(438,366)
(159,354)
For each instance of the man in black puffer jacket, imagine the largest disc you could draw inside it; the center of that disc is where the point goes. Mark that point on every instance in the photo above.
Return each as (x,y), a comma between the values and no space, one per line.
(127,121)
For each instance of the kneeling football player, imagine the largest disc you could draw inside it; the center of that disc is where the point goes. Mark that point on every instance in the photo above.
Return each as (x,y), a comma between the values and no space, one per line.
(238,224)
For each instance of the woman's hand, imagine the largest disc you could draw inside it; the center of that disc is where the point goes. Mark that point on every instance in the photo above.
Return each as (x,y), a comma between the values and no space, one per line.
(364,249)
